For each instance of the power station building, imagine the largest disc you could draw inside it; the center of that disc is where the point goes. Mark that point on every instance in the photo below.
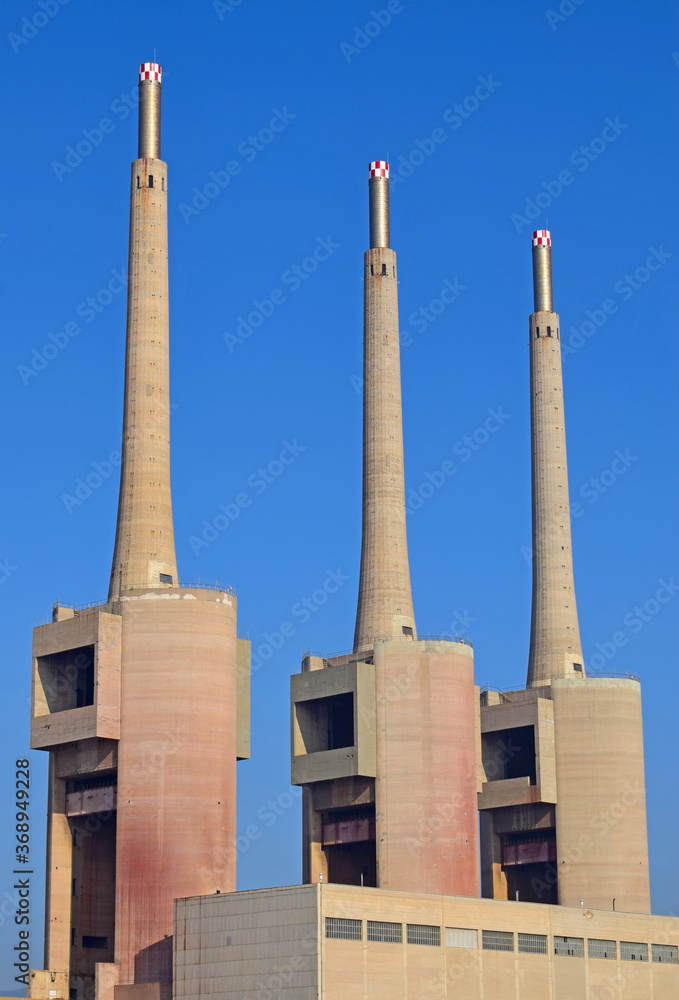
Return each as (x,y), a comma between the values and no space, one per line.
(457,843)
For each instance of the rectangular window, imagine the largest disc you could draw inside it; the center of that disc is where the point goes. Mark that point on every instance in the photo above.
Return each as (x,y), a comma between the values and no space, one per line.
(424,934)
(382,930)
(533,944)
(498,940)
(89,941)
(633,951)
(165,578)
(461,937)
(599,948)
(665,953)
(407,630)
(150,180)
(575,947)
(343,928)
(384,269)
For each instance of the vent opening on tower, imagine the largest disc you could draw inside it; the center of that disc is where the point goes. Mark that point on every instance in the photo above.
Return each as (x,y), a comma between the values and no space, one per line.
(165,578)
(150,180)
(509,753)
(326,723)
(67,679)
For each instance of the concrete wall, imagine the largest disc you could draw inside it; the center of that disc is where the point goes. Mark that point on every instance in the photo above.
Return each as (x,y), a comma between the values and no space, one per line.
(263,944)
(385,602)
(177,767)
(144,546)
(601,810)
(555,633)
(425,789)
(259,944)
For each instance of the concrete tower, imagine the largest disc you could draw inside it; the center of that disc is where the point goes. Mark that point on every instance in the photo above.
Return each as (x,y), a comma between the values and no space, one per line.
(555,649)
(144,547)
(563,807)
(385,604)
(383,739)
(142,702)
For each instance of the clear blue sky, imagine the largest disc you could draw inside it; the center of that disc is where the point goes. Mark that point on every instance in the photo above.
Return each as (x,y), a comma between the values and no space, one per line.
(343,91)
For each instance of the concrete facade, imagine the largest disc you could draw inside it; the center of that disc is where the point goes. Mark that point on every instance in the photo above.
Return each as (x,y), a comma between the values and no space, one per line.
(336,942)
(563,803)
(390,808)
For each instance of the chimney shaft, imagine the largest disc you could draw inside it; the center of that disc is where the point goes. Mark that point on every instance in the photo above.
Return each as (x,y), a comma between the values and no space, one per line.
(385,606)
(555,650)
(144,554)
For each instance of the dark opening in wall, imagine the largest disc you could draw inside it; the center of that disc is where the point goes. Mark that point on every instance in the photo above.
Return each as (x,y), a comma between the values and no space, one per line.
(326,723)
(90,941)
(67,678)
(509,753)
(150,180)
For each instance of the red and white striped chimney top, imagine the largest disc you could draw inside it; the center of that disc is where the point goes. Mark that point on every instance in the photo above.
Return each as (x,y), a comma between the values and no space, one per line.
(542,238)
(379,168)
(150,71)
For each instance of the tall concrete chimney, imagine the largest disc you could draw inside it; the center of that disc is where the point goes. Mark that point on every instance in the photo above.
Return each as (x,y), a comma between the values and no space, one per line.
(385,605)
(144,554)
(555,650)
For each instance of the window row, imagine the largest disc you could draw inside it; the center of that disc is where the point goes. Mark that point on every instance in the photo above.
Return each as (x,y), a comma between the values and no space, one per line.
(465,937)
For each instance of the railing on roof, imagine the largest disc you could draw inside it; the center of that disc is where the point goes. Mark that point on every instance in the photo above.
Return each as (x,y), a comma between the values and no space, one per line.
(180,585)
(526,694)
(393,638)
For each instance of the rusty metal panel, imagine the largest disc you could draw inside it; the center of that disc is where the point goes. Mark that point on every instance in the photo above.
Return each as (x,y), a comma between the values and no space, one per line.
(91,800)
(528,854)
(350,831)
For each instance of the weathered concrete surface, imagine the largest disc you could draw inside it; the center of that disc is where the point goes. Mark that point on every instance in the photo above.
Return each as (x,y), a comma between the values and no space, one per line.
(385,604)
(555,633)
(425,789)
(177,767)
(144,546)
(601,809)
